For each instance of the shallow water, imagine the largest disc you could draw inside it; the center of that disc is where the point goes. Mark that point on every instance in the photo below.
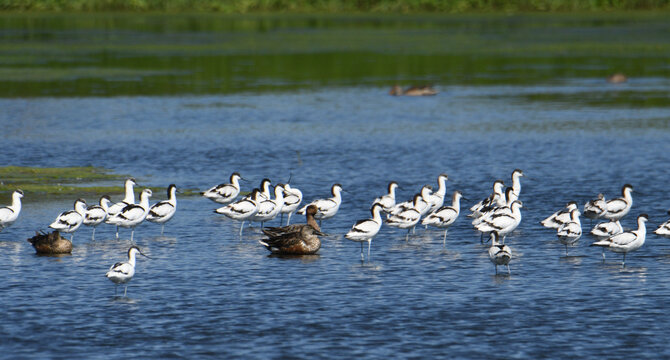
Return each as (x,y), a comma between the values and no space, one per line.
(209,293)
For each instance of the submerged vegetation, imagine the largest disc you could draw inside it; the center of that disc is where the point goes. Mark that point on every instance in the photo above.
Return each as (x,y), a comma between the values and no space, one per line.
(332,6)
(85,181)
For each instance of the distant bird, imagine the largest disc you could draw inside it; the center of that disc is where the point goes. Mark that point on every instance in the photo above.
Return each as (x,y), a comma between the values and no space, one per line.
(327,208)
(499,254)
(122,272)
(627,241)
(9,214)
(69,221)
(555,220)
(387,201)
(596,208)
(292,199)
(664,229)
(242,209)
(407,218)
(96,214)
(365,230)
(617,78)
(396,90)
(161,212)
(298,239)
(132,215)
(570,232)
(619,207)
(225,193)
(445,216)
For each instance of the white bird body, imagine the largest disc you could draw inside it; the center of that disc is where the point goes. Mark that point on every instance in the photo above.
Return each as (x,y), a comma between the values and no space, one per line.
(132,215)
(407,218)
(436,199)
(420,204)
(487,212)
(96,214)
(504,223)
(627,241)
(365,230)
(162,211)
(270,208)
(122,272)
(69,221)
(327,208)
(596,208)
(606,229)
(499,254)
(292,199)
(445,216)
(129,198)
(225,193)
(619,207)
(516,181)
(555,220)
(9,214)
(387,201)
(570,232)
(664,229)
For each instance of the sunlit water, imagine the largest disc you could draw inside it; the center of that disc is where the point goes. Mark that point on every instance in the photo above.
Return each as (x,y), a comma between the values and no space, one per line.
(209,293)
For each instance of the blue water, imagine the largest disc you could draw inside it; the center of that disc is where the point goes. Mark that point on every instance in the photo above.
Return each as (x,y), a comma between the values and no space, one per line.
(208,293)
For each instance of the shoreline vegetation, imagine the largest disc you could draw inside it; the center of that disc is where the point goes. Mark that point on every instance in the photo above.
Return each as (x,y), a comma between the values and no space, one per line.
(64,181)
(331,6)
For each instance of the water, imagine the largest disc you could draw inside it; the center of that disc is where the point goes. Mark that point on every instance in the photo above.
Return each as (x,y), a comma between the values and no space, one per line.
(208,293)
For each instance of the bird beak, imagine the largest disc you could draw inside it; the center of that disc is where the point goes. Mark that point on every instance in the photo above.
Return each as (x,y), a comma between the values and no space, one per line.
(147,256)
(320,233)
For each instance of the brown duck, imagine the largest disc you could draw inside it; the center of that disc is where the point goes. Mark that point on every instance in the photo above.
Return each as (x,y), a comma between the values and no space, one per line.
(396,90)
(298,239)
(51,243)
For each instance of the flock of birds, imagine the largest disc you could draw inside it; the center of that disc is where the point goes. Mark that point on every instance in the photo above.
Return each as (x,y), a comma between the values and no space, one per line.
(494,217)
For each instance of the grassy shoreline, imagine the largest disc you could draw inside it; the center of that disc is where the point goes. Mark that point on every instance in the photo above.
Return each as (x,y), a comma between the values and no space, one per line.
(330,6)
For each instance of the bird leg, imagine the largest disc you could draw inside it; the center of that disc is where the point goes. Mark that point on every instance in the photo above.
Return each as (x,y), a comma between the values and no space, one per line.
(369,243)
(93,235)
(241,227)
(508,271)
(362,257)
(162,228)
(444,241)
(289,219)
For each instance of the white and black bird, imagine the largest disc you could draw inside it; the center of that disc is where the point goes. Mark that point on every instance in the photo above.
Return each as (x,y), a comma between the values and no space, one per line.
(421,205)
(69,221)
(132,215)
(499,254)
(436,199)
(407,218)
(495,199)
(268,209)
(555,220)
(606,229)
(503,224)
(516,181)
(495,210)
(225,193)
(365,230)
(292,199)
(9,214)
(619,207)
(128,199)
(161,212)
(445,216)
(122,272)
(387,201)
(627,241)
(664,229)
(596,208)
(570,232)
(327,208)
(96,214)
(242,209)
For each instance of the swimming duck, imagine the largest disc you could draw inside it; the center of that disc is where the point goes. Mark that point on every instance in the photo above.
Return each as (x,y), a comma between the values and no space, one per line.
(51,243)
(298,239)
(617,78)
(396,90)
